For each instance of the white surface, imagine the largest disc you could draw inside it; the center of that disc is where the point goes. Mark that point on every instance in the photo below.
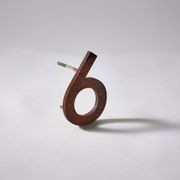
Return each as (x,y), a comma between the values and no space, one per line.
(138,135)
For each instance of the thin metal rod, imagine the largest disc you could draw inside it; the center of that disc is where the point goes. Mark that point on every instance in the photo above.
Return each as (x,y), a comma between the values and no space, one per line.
(67,66)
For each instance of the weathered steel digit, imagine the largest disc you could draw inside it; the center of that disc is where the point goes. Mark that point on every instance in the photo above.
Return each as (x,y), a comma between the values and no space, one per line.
(78,83)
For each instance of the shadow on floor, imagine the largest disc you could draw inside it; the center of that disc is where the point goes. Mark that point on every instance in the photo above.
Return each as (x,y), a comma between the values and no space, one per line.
(141,125)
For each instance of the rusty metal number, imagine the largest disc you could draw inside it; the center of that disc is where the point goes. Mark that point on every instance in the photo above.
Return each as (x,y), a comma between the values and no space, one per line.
(78,83)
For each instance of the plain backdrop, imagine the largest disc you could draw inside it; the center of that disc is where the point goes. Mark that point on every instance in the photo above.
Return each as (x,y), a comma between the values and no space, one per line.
(138,47)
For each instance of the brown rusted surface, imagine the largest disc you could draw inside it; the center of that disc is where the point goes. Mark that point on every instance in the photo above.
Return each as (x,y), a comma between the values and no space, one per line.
(78,83)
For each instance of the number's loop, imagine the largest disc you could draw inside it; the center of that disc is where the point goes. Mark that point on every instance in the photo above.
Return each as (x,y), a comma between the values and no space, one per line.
(78,83)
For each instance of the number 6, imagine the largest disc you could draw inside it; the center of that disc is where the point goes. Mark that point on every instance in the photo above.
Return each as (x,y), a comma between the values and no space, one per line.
(78,83)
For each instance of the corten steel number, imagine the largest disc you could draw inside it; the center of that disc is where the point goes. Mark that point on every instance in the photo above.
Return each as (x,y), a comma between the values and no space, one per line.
(78,83)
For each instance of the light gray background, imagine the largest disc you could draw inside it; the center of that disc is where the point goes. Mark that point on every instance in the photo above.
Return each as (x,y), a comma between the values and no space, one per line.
(138,48)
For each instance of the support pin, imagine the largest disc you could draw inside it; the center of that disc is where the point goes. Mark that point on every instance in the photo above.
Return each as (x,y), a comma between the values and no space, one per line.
(67,66)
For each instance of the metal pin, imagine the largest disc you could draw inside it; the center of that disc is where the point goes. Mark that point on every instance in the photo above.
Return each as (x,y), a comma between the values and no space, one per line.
(67,66)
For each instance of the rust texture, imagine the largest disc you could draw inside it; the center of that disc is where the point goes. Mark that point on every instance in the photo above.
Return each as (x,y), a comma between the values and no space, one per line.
(78,83)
